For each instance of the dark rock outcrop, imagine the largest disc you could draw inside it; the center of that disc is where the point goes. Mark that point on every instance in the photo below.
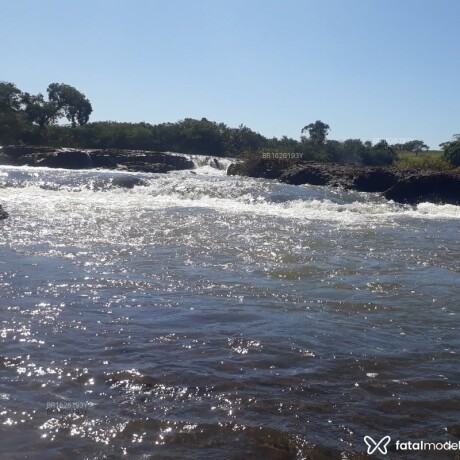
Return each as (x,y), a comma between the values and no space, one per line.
(137,160)
(434,187)
(235,169)
(148,167)
(409,186)
(130,160)
(353,177)
(3,213)
(22,155)
(264,169)
(68,159)
(103,160)
(315,174)
(375,180)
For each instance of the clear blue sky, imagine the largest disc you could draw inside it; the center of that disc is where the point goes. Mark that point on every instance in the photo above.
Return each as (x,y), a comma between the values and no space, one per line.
(369,68)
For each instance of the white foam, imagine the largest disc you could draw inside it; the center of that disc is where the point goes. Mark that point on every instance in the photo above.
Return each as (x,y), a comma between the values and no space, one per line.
(222,194)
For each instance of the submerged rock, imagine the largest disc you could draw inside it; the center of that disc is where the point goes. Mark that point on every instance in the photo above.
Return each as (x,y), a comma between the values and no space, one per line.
(149,167)
(314,174)
(454,430)
(128,181)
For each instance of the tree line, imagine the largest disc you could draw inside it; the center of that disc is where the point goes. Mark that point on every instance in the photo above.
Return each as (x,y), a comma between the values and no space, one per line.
(38,120)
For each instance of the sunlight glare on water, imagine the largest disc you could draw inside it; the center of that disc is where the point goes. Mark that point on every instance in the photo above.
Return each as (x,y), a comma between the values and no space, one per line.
(172,314)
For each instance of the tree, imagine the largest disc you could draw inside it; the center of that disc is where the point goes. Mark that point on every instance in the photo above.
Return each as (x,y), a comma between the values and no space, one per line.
(70,102)
(10,97)
(318,132)
(38,110)
(415,146)
(352,150)
(384,155)
(380,154)
(63,101)
(452,150)
(13,123)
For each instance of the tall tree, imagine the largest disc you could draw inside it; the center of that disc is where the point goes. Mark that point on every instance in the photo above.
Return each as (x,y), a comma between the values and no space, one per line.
(318,132)
(63,101)
(70,102)
(38,110)
(415,146)
(10,97)
(12,120)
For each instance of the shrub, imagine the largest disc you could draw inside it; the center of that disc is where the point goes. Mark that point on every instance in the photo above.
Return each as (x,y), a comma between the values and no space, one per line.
(424,162)
(452,153)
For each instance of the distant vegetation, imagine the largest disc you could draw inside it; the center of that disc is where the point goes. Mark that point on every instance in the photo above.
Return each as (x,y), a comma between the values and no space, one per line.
(430,159)
(452,150)
(33,119)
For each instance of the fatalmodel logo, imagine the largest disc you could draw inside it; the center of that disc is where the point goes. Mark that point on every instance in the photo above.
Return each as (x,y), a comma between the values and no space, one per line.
(381,445)
(423,445)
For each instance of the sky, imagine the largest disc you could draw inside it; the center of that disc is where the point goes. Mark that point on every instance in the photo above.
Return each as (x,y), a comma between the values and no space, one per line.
(371,69)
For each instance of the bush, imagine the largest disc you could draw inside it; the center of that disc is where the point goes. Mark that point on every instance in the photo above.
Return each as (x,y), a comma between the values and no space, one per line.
(381,154)
(452,153)
(428,161)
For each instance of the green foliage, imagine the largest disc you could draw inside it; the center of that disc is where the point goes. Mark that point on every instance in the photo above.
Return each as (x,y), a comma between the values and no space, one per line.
(452,151)
(10,97)
(31,119)
(63,101)
(317,131)
(415,146)
(38,110)
(380,154)
(349,151)
(12,125)
(352,151)
(16,108)
(70,103)
(284,144)
(12,121)
(429,161)
(188,136)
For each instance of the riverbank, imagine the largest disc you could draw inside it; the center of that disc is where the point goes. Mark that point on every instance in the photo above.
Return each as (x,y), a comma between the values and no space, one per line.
(409,186)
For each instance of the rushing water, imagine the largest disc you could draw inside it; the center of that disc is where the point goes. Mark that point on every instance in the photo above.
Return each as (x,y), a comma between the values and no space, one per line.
(195,315)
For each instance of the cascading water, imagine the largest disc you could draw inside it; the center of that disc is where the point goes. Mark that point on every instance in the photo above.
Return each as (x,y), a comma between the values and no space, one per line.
(207,162)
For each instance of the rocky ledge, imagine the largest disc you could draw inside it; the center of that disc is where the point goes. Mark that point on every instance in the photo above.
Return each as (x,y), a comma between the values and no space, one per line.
(409,186)
(128,160)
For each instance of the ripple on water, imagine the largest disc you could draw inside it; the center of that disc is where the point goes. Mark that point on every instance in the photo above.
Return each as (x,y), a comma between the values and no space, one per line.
(202,316)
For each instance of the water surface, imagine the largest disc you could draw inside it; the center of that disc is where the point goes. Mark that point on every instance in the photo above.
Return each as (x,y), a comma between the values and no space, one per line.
(196,315)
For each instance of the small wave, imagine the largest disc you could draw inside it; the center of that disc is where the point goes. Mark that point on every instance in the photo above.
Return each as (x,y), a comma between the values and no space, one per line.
(219,193)
(438,211)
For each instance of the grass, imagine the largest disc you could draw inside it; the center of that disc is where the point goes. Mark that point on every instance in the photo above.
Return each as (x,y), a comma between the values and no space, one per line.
(432,159)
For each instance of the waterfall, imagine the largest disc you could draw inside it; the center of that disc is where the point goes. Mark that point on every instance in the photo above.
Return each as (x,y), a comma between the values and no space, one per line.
(89,160)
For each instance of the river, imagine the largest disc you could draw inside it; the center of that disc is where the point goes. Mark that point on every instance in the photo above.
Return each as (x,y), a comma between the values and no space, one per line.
(197,315)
